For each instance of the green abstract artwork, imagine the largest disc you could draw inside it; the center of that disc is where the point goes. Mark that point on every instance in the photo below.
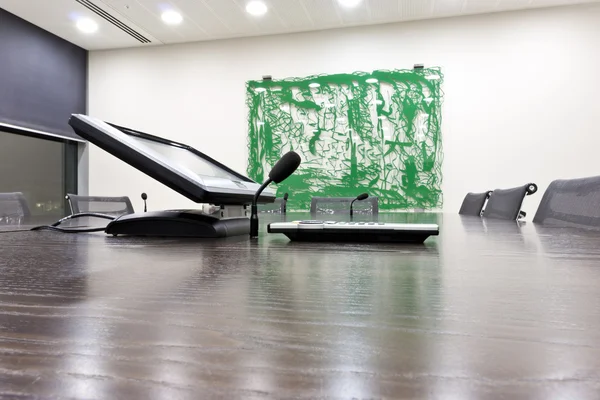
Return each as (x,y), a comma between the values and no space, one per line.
(377,132)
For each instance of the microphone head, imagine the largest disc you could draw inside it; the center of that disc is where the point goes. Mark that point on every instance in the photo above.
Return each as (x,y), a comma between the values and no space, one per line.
(144,196)
(285,167)
(362,196)
(285,197)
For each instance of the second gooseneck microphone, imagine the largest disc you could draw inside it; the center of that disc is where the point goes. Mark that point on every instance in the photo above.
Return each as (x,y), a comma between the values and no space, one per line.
(145,197)
(360,197)
(280,172)
(285,199)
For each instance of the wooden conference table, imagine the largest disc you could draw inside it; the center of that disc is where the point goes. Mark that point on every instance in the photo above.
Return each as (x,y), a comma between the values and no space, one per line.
(487,310)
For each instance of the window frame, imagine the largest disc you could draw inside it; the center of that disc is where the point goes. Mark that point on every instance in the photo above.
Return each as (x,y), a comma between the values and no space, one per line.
(70,164)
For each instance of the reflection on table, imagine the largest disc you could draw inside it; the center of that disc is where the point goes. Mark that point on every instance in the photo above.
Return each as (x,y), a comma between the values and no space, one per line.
(488,309)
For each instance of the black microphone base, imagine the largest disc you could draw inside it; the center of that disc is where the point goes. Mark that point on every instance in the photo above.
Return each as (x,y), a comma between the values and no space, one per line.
(177,223)
(254,221)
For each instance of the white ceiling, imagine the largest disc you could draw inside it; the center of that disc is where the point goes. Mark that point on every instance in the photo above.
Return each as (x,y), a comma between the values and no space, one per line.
(219,19)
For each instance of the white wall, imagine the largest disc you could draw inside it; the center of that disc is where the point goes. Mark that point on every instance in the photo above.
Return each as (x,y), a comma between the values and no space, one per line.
(521,94)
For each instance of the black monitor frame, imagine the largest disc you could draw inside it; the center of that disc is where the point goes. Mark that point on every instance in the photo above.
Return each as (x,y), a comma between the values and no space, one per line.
(164,175)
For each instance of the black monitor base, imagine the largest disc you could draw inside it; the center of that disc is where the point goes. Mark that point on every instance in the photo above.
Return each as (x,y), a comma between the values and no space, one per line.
(178,223)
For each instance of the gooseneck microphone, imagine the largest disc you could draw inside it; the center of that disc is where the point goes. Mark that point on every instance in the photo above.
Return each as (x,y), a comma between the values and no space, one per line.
(361,196)
(280,172)
(145,197)
(285,198)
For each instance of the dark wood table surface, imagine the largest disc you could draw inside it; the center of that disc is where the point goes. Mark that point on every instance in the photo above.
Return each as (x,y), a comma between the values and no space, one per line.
(487,310)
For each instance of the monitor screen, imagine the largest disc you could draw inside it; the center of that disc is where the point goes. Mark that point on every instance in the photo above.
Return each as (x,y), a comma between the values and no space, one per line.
(178,166)
(183,158)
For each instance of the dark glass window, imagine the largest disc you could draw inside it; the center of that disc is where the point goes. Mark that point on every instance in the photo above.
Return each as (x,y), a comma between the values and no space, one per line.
(43,169)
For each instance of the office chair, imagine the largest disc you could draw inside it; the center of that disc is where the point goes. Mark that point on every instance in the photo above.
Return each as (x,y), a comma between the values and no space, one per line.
(13,208)
(341,205)
(506,203)
(571,203)
(473,203)
(115,206)
(277,207)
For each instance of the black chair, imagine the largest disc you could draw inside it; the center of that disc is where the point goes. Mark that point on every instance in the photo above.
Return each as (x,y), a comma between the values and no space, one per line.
(341,205)
(277,207)
(506,203)
(473,203)
(571,203)
(115,206)
(13,208)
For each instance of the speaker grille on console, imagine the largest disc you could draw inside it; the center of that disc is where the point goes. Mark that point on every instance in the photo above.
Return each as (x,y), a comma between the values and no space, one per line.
(136,35)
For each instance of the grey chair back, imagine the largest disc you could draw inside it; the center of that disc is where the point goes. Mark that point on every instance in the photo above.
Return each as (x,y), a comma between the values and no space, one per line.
(473,203)
(277,207)
(507,203)
(13,208)
(341,205)
(571,203)
(98,204)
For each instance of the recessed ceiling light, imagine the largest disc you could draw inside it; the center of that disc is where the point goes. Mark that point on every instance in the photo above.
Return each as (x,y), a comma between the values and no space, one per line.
(372,80)
(349,3)
(256,8)
(260,90)
(87,25)
(314,85)
(171,17)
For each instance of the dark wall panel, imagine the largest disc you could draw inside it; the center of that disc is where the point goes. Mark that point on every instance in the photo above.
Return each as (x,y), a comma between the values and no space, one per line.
(43,78)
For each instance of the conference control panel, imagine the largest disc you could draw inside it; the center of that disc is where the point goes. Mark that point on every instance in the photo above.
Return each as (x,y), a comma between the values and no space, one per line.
(339,231)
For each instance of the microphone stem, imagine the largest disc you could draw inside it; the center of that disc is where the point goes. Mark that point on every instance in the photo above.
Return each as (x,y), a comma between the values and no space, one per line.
(352,204)
(254,211)
(260,190)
